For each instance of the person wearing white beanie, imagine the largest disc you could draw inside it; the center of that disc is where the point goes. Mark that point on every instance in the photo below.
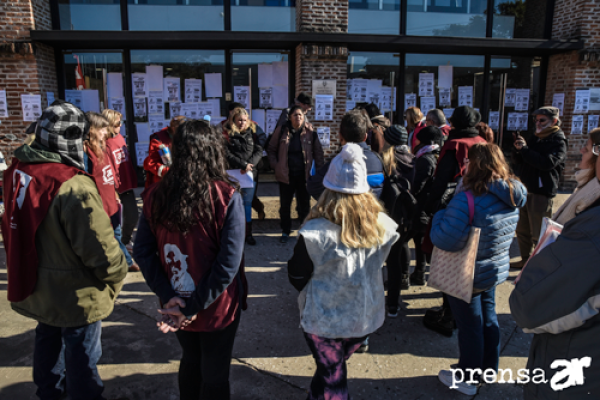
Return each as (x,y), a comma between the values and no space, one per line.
(336,266)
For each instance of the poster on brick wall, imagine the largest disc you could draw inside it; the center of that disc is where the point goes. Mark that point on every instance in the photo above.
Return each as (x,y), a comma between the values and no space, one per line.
(582,101)
(558,101)
(323,107)
(3,104)
(324,136)
(594,99)
(577,125)
(32,107)
(324,86)
(592,122)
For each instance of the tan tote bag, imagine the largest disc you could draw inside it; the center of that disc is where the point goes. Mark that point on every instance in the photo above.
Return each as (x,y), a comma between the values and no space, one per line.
(452,272)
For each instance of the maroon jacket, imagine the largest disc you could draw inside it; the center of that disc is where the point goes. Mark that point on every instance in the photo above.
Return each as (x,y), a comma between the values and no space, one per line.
(104,175)
(125,177)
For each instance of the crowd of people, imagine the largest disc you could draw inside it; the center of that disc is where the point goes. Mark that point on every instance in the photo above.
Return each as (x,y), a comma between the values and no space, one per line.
(71,212)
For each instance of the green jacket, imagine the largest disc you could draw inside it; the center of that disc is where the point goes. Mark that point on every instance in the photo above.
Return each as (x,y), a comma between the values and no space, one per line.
(81,267)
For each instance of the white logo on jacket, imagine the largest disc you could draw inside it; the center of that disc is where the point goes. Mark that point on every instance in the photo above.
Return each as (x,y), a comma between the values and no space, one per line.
(181,281)
(119,156)
(24,180)
(108,175)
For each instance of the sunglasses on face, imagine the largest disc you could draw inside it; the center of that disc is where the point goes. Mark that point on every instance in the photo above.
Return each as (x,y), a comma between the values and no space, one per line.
(541,120)
(596,149)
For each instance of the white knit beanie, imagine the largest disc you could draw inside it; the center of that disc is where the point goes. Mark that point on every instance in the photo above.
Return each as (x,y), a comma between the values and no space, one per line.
(348,172)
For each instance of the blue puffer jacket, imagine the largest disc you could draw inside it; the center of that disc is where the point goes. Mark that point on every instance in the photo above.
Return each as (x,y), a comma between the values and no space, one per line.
(497,217)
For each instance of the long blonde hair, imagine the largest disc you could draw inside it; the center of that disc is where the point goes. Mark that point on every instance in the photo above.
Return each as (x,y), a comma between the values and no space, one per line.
(413,117)
(112,117)
(389,157)
(96,144)
(232,128)
(357,214)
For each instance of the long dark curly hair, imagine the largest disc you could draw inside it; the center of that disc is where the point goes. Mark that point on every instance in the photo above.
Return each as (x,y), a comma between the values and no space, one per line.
(183,196)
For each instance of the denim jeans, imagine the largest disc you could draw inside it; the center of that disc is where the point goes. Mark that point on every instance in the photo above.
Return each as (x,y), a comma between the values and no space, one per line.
(478,330)
(117,228)
(64,359)
(247,196)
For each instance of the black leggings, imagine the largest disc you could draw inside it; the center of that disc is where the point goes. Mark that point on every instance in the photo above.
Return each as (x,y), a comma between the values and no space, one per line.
(130,215)
(398,264)
(204,366)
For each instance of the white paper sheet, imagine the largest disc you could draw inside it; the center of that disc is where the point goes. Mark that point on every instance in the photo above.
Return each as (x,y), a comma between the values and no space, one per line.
(154,77)
(522,119)
(594,99)
(118,104)
(3,104)
(49,98)
(445,73)
(74,97)
(512,122)
(410,100)
(427,103)
(324,86)
(373,90)
(193,90)
(156,104)
(157,122)
(522,100)
(143,131)
(266,97)
(444,94)
(31,105)
(90,100)
(426,84)
(171,89)
(280,97)
(272,118)
(139,107)
(510,99)
(114,84)
(324,136)
(577,125)
(280,73)
(359,90)
(350,104)
(245,180)
(592,122)
(175,109)
(139,84)
(216,107)
(323,107)
(448,112)
(259,117)
(494,120)
(558,101)
(582,101)
(241,95)
(385,101)
(213,85)
(190,110)
(265,75)
(205,108)
(465,96)
(141,152)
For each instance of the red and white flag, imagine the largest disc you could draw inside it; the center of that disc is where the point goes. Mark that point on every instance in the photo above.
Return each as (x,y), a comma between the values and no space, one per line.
(79,75)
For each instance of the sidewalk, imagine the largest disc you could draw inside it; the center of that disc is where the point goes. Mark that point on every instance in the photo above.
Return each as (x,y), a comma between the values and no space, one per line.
(271,358)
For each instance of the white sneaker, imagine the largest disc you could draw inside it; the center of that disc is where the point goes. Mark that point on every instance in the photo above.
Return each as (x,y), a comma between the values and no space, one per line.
(445,377)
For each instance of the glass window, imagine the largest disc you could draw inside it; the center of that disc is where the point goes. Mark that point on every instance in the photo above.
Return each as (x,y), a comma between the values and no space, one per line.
(263,15)
(374,16)
(465,72)
(369,77)
(90,15)
(465,18)
(179,65)
(510,19)
(175,15)
(519,73)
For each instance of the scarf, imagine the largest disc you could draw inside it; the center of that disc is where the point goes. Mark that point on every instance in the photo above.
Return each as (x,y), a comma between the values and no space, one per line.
(547,131)
(585,194)
(427,149)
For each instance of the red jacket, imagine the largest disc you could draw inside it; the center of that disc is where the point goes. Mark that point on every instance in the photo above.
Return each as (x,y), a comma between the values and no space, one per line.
(125,177)
(445,130)
(155,169)
(104,175)
(414,142)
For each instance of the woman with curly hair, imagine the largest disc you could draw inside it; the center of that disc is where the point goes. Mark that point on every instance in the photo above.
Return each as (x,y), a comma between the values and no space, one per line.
(244,153)
(336,266)
(190,246)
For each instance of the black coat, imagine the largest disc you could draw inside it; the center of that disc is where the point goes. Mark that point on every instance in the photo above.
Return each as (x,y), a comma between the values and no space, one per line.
(242,150)
(540,163)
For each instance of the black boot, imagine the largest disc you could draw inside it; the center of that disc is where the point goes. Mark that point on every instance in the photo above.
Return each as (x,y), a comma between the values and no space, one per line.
(440,319)
(404,284)
(249,239)
(417,278)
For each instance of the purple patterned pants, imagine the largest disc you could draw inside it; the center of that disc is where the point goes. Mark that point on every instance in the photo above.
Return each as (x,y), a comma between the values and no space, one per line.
(330,380)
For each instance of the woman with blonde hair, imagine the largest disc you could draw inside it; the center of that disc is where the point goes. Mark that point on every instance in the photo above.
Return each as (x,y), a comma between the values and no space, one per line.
(243,153)
(415,121)
(490,201)
(336,266)
(125,177)
(588,184)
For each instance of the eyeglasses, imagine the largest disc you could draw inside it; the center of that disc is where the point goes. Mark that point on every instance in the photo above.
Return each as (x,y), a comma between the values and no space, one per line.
(596,149)
(541,120)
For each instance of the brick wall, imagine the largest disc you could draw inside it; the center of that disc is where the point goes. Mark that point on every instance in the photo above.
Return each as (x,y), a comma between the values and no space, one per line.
(571,71)
(25,67)
(322,15)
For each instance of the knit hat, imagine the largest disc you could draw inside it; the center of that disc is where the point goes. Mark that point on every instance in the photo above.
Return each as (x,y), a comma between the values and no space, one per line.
(465,117)
(430,135)
(347,172)
(396,135)
(61,128)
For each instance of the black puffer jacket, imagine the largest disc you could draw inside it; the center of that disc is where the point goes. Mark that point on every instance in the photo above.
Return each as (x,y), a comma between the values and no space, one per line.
(540,163)
(242,150)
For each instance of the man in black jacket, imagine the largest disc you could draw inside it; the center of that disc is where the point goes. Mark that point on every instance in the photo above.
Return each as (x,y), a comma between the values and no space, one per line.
(540,162)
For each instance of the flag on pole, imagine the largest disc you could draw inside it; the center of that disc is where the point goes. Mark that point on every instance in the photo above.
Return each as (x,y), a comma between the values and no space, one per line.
(79,81)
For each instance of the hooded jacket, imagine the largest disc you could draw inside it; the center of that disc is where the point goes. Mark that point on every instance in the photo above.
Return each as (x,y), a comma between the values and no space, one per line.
(242,149)
(496,215)
(81,266)
(558,299)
